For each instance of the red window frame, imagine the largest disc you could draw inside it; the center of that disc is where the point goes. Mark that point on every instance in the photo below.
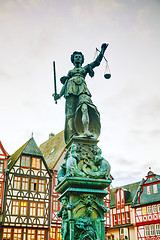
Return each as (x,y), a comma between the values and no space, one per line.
(17,182)
(25,161)
(7,233)
(34,184)
(41,185)
(40,209)
(25,183)
(33,208)
(15,207)
(23,208)
(36,162)
(31,234)
(41,234)
(17,233)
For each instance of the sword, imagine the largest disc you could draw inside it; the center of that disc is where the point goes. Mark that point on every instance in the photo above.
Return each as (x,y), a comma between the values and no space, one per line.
(55,85)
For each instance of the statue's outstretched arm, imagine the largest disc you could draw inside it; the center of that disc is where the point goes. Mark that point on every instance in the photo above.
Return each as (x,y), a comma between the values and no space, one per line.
(98,60)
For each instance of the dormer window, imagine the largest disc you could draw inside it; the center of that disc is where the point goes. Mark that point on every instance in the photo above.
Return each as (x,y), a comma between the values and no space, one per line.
(36,163)
(120,199)
(25,161)
(155,190)
(148,190)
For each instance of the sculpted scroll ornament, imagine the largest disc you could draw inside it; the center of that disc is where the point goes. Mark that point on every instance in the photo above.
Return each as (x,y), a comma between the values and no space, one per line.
(84,161)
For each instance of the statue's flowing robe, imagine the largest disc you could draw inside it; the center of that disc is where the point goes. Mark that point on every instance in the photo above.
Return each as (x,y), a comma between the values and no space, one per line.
(77,93)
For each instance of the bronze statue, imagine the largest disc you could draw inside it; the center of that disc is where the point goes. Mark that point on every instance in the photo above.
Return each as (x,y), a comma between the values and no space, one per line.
(82,116)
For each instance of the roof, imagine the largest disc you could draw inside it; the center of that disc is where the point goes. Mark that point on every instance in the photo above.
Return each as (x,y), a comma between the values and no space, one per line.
(53,149)
(142,197)
(2,150)
(130,191)
(30,147)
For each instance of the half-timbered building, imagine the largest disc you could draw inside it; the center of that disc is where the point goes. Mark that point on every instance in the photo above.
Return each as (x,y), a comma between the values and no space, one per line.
(146,204)
(53,151)
(135,210)
(27,202)
(3,165)
(121,213)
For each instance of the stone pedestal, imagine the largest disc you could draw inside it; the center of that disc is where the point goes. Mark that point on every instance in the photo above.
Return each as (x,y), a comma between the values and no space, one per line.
(82,186)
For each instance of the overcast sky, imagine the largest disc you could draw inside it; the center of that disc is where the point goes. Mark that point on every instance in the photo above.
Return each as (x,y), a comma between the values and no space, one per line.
(33,33)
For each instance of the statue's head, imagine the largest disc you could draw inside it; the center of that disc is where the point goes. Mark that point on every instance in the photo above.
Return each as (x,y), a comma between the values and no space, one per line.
(77,57)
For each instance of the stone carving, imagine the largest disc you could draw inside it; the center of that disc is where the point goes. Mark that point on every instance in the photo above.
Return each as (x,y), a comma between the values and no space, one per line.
(102,165)
(84,161)
(72,163)
(63,213)
(87,230)
(82,116)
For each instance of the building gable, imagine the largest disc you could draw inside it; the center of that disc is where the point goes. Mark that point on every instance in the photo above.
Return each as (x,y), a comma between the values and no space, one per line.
(148,191)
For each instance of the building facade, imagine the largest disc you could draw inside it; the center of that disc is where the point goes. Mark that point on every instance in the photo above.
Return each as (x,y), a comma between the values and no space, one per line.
(135,210)
(54,150)
(3,165)
(27,198)
(146,204)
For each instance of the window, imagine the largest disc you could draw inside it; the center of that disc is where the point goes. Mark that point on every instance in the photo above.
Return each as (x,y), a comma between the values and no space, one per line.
(40,210)
(115,220)
(7,233)
(154,208)
(119,219)
(17,235)
(25,161)
(149,209)
(40,234)
(155,190)
(123,233)
(147,231)
(127,217)
(120,199)
(0,190)
(36,163)
(152,230)
(59,236)
(1,165)
(25,183)
(31,234)
(15,207)
(123,218)
(41,185)
(55,233)
(33,208)
(34,184)
(55,204)
(157,229)
(23,208)
(52,234)
(158,207)
(17,182)
(148,190)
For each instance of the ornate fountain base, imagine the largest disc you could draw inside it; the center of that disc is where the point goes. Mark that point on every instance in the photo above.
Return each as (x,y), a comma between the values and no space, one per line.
(82,186)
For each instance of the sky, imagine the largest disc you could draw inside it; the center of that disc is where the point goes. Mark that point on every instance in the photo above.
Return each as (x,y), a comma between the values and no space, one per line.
(35,33)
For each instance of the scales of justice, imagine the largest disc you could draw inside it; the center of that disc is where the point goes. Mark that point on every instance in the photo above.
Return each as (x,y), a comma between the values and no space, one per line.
(85,173)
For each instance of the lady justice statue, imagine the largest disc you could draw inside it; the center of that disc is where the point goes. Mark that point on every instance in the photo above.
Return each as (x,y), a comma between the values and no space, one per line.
(82,116)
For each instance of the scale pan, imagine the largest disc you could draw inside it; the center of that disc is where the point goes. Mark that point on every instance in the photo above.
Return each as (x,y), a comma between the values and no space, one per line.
(107,75)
